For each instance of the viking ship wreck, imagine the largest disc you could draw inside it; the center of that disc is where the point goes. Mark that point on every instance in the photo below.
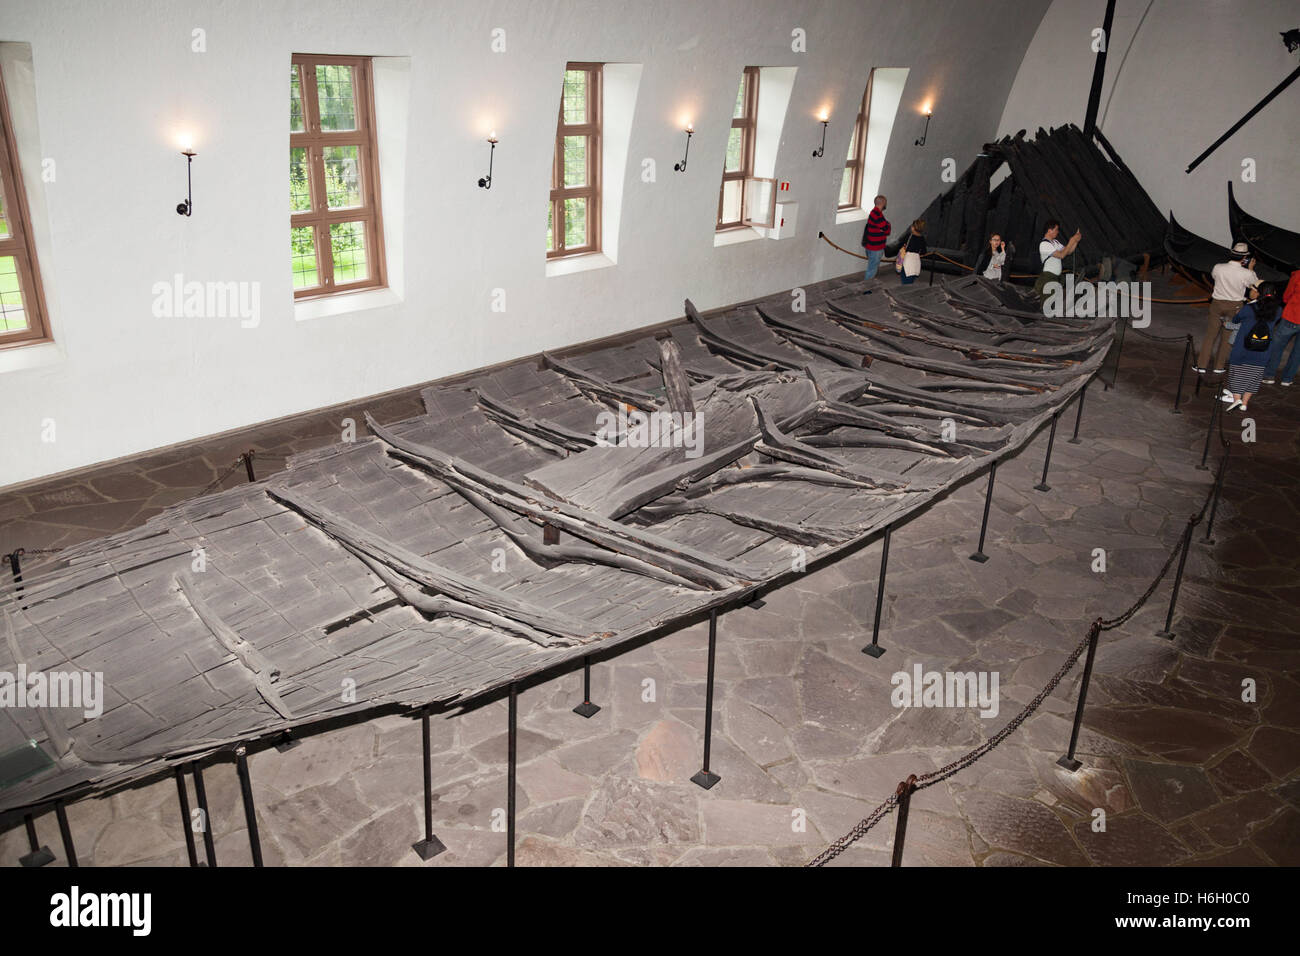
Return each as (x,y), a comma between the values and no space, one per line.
(1199,256)
(1278,247)
(500,534)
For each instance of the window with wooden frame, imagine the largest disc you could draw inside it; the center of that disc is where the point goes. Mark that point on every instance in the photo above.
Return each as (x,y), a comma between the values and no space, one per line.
(22,305)
(573,213)
(851,185)
(738,165)
(335,231)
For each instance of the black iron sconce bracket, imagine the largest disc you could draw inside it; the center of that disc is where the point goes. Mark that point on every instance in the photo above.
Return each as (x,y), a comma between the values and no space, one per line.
(817,153)
(187,207)
(486,181)
(681,167)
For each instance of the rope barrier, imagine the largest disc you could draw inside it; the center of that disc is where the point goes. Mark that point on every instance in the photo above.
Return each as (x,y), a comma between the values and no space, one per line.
(1100,624)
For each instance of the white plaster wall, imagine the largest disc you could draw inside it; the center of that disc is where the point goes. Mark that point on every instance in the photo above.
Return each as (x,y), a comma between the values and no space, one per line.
(1178,74)
(116,80)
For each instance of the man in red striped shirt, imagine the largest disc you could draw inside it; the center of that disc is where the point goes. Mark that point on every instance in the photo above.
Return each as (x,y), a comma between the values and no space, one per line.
(874,237)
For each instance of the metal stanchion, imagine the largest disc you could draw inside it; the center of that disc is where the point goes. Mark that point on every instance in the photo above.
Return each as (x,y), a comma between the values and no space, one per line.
(1178,580)
(1182,374)
(430,846)
(1078,416)
(248,464)
(1068,761)
(38,855)
(512,759)
(65,832)
(874,649)
(904,794)
(706,778)
(586,708)
(1209,433)
(1218,489)
(1047,460)
(186,824)
(250,811)
(201,797)
(979,554)
(16,569)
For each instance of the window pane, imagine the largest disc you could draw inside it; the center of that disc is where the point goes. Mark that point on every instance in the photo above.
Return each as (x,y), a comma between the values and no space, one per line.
(575,160)
(575,223)
(846,187)
(740,101)
(853,140)
(734,143)
(342,176)
(348,244)
(303,243)
(575,96)
(295,99)
(731,190)
(4,214)
(13,317)
(550,226)
(335,97)
(299,183)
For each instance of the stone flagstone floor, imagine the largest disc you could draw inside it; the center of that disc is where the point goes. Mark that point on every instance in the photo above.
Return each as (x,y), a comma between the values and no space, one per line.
(805,737)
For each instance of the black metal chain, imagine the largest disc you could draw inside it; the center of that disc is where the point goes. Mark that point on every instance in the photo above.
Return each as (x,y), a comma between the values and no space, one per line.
(223,476)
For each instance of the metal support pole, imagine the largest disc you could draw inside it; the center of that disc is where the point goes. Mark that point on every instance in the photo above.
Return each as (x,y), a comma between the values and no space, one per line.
(1182,375)
(1078,416)
(510,775)
(979,554)
(1209,433)
(248,464)
(1119,350)
(65,831)
(250,812)
(586,708)
(904,794)
(39,855)
(16,569)
(1068,761)
(1178,580)
(1214,502)
(874,649)
(430,846)
(706,778)
(1047,459)
(184,798)
(201,796)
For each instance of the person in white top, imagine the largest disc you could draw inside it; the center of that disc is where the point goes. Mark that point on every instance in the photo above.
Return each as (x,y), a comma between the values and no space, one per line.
(1051,252)
(1232,282)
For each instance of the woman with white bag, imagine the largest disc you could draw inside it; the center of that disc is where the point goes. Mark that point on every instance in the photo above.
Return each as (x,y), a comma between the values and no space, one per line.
(907,261)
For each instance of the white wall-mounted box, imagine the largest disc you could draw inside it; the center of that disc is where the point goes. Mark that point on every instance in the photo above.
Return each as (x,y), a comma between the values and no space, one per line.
(783,225)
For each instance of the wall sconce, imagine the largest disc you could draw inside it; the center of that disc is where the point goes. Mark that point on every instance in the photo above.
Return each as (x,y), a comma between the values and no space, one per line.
(681,167)
(921,141)
(486,181)
(184,208)
(825,118)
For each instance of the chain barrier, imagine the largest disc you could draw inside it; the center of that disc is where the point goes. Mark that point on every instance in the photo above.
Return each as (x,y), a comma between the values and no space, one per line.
(223,476)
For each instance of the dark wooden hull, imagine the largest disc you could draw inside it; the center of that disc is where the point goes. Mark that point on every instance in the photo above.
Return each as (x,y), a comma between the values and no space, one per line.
(409,569)
(1275,246)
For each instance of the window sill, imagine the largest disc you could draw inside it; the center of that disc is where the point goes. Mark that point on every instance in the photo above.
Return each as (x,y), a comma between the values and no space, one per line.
(344,303)
(733,237)
(850,215)
(23,357)
(568,265)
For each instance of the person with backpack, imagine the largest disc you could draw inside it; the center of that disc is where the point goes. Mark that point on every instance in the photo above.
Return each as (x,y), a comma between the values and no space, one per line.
(1286,332)
(1051,255)
(1232,280)
(1253,344)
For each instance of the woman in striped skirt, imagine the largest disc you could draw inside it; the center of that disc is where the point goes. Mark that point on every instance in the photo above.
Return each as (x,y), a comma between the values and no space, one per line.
(1250,350)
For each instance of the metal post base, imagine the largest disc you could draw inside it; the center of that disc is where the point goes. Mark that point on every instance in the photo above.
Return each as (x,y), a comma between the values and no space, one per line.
(1042,486)
(428,849)
(705,779)
(39,857)
(1069,763)
(873,650)
(757,603)
(286,744)
(1167,635)
(979,556)
(587,709)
